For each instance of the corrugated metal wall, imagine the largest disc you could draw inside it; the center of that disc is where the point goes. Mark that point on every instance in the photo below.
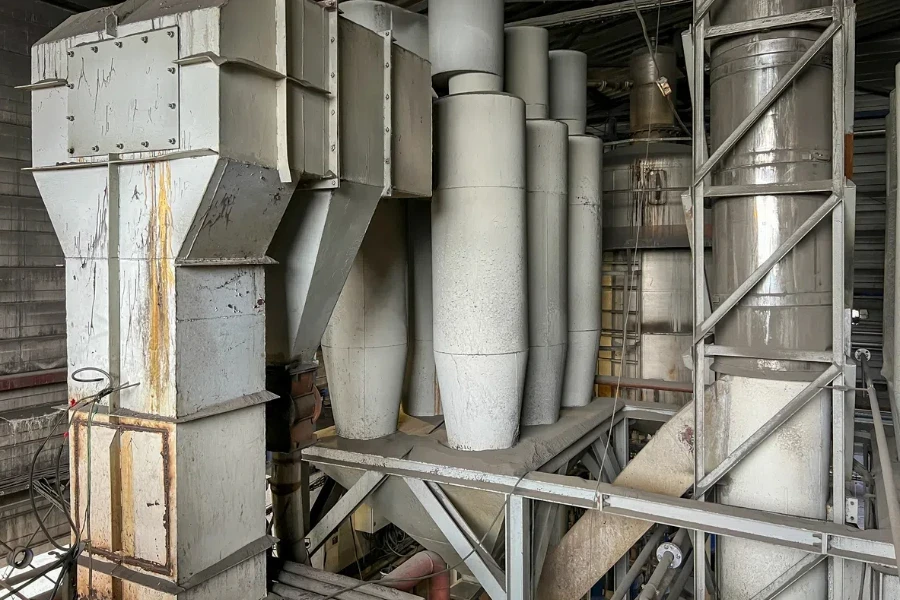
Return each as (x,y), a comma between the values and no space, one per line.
(32,289)
(32,286)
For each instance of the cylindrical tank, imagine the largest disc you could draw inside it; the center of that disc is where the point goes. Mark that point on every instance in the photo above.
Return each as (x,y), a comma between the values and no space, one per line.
(546,150)
(647,252)
(790,309)
(568,89)
(584,257)
(465,36)
(479,260)
(527,69)
(365,342)
(649,110)
(423,398)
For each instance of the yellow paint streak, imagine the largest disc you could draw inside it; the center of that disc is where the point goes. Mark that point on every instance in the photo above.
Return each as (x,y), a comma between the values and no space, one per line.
(160,285)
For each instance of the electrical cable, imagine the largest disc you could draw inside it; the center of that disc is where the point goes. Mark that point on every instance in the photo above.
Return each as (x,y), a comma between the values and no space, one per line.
(54,494)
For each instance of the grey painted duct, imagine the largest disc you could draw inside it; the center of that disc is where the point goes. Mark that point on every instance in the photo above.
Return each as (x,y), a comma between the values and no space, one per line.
(568,89)
(527,73)
(465,37)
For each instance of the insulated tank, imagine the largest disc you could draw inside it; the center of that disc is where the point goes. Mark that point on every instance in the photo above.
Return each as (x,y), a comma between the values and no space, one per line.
(646,249)
(790,309)
(547,233)
(480,270)
(527,68)
(644,234)
(584,258)
(365,343)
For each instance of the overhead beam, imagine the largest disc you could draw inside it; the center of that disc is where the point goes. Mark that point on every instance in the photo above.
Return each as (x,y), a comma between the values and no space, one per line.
(594,13)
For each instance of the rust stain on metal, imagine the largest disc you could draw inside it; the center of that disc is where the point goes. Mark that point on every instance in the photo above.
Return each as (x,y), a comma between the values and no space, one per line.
(686,437)
(126,493)
(160,284)
(126,426)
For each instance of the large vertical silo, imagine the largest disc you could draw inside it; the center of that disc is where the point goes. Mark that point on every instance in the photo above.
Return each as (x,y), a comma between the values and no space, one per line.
(478,228)
(645,240)
(546,152)
(790,309)
(568,103)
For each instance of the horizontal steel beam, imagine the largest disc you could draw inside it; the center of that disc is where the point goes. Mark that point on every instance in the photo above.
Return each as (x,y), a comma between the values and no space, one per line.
(770,189)
(762,270)
(767,429)
(817,537)
(769,353)
(645,384)
(767,23)
(766,103)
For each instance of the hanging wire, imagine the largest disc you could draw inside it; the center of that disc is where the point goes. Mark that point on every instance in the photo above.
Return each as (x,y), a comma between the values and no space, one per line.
(55,495)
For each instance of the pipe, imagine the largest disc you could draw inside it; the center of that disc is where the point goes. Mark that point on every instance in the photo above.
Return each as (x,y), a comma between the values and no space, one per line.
(645,384)
(424,565)
(884,456)
(681,581)
(651,589)
(648,550)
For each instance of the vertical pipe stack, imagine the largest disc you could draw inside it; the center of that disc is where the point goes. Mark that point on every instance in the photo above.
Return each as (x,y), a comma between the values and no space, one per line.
(568,103)
(478,229)
(790,309)
(527,66)
(365,343)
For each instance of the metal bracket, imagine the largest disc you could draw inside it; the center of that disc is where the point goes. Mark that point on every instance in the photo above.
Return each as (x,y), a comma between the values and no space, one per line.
(343,508)
(388,115)
(487,574)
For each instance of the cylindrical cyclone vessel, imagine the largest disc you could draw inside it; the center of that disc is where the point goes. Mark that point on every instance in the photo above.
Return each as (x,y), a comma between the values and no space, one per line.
(568,89)
(423,398)
(790,309)
(584,257)
(479,260)
(546,149)
(465,36)
(644,226)
(365,342)
(527,70)
(650,112)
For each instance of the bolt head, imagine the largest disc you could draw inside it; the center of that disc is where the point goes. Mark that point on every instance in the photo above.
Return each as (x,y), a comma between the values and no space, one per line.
(171,34)
(172,105)
(120,146)
(171,69)
(118,44)
(71,150)
(70,53)
(145,144)
(172,141)
(95,148)
(144,38)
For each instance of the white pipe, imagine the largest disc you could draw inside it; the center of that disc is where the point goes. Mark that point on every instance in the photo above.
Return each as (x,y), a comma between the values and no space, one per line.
(365,343)
(585,224)
(465,36)
(547,221)
(479,260)
(568,89)
(527,68)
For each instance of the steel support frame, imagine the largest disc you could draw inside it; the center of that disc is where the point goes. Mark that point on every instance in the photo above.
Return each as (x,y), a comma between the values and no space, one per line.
(840,33)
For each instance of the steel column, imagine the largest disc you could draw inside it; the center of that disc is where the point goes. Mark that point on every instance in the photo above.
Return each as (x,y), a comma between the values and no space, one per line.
(519,585)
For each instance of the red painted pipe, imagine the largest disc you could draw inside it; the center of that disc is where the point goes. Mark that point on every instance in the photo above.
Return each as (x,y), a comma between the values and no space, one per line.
(424,565)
